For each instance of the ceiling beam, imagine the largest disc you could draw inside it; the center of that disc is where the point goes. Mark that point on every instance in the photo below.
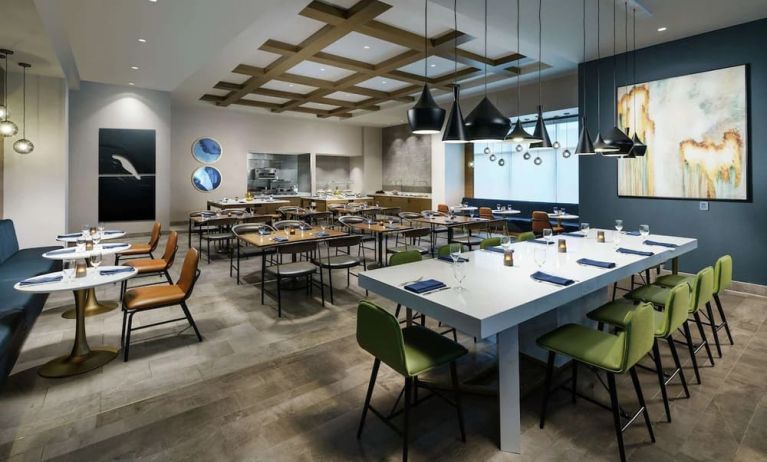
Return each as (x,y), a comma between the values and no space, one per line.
(360,13)
(228,86)
(262,104)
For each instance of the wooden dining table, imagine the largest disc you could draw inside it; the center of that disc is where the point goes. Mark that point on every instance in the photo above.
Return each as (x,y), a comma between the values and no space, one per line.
(381,231)
(451,223)
(205,219)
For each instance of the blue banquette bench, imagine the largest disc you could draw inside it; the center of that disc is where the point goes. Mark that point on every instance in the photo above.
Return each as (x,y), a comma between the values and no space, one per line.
(523,221)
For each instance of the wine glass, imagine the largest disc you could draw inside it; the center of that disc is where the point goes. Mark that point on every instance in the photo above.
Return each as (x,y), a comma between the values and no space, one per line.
(391,221)
(455,252)
(556,210)
(540,257)
(97,237)
(86,230)
(505,242)
(547,233)
(68,269)
(585,229)
(498,207)
(619,225)
(459,273)
(644,230)
(96,258)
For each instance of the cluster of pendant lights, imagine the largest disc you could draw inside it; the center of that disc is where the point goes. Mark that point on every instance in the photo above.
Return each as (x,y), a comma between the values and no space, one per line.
(486,124)
(7,127)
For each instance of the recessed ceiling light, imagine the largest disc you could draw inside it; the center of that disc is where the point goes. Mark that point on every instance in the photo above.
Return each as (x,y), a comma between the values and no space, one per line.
(291,85)
(662,29)
(322,69)
(367,47)
(433,65)
(131,84)
(152,1)
(383,82)
(135,68)
(142,40)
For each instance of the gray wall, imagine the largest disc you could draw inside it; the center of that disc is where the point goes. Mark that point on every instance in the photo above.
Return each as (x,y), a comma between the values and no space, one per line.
(406,159)
(735,228)
(332,172)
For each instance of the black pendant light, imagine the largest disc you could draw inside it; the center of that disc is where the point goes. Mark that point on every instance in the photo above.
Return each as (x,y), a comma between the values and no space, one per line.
(7,127)
(599,144)
(455,130)
(540,132)
(23,145)
(638,149)
(585,146)
(425,117)
(615,136)
(486,124)
(519,134)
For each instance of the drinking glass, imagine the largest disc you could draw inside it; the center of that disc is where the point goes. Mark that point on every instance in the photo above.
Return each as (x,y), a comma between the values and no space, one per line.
(505,242)
(459,273)
(391,222)
(86,230)
(100,227)
(96,259)
(540,257)
(619,225)
(68,269)
(585,228)
(96,238)
(498,207)
(556,210)
(547,233)
(455,252)
(644,230)
(562,211)
(322,227)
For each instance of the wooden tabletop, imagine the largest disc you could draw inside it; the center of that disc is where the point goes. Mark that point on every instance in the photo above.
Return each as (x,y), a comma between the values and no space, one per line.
(377,227)
(348,210)
(457,220)
(243,203)
(239,217)
(301,236)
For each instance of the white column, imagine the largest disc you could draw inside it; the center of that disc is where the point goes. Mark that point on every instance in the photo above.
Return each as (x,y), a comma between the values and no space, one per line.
(508,390)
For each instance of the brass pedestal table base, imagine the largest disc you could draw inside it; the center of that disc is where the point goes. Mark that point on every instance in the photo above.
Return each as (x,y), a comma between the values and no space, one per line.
(92,306)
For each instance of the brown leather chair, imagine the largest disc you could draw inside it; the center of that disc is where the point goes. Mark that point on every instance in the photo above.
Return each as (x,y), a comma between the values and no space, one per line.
(154,297)
(486,212)
(154,266)
(142,250)
(541,222)
(443,208)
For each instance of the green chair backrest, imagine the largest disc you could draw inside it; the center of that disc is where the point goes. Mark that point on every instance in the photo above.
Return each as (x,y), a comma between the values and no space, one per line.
(675,310)
(702,289)
(526,236)
(490,242)
(444,251)
(639,335)
(408,256)
(722,273)
(379,333)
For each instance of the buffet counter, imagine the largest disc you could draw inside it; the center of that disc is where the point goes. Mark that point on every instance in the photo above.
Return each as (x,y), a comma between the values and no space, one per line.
(406,203)
(323,202)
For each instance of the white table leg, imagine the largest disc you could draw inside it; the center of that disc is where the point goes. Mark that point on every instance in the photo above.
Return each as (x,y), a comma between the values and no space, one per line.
(508,389)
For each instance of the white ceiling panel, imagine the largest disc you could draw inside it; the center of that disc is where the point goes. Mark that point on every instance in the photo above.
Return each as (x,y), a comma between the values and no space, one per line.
(351,97)
(285,86)
(382,84)
(354,45)
(436,66)
(324,107)
(266,99)
(319,71)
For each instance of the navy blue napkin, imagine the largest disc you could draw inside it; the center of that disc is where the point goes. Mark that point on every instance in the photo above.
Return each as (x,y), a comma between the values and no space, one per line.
(40,280)
(322,234)
(280,239)
(495,249)
(635,252)
(64,236)
(541,241)
(597,263)
(633,233)
(448,258)
(112,231)
(662,244)
(560,281)
(425,286)
(575,234)
(62,251)
(118,270)
(114,246)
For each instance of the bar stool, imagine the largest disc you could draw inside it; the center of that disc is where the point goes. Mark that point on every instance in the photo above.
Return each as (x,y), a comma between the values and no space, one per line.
(611,354)
(671,318)
(722,280)
(411,352)
(701,293)
(154,266)
(141,250)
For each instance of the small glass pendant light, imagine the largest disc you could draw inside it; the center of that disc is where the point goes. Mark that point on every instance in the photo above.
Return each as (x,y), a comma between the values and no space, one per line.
(24,146)
(7,127)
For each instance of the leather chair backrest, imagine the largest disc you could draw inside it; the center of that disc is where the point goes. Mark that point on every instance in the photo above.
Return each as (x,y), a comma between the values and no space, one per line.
(526,236)
(246,228)
(444,251)
(485,212)
(540,222)
(189,273)
(282,224)
(417,232)
(8,243)
(490,242)
(676,309)
(722,274)
(347,241)
(639,335)
(379,333)
(154,237)
(408,256)
(298,247)
(171,246)
(443,208)
(703,289)
(351,219)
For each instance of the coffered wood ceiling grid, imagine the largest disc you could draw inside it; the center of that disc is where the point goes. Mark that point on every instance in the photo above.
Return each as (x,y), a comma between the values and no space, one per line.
(323,96)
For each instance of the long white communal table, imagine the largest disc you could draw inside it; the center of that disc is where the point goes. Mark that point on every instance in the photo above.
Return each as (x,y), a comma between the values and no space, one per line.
(506,302)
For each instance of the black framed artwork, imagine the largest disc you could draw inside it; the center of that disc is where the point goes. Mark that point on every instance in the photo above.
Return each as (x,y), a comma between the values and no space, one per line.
(127,172)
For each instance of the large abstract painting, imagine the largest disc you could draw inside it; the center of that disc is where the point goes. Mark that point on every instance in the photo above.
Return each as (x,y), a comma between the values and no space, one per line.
(126,174)
(696,130)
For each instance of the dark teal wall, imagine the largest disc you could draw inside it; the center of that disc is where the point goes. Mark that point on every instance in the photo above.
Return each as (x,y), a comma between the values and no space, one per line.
(737,228)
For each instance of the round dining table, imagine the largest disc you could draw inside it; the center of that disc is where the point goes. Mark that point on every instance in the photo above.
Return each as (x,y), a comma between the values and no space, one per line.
(108,234)
(82,358)
(562,216)
(92,305)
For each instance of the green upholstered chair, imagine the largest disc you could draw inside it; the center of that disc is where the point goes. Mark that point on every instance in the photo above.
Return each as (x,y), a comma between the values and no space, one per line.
(611,354)
(490,242)
(444,250)
(411,352)
(403,258)
(526,236)
(410,240)
(701,294)
(667,321)
(722,280)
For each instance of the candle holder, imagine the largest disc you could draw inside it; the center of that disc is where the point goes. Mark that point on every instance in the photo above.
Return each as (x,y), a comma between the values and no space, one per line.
(292,231)
(562,246)
(81,269)
(508,257)
(89,245)
(601,236)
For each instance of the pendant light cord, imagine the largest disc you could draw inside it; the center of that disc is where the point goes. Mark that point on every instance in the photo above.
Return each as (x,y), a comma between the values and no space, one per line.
(5,87)
(634,71)
(485,63)
(615,65)
(455,42)
(519,69)
(599,72)
(24,104)
(540,46)
(425,42)
(583,116)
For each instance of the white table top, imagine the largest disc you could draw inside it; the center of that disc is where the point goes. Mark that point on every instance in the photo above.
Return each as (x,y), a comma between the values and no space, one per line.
(64,254)
(506,212)
(565,216)
(92,279)
(105,237)
(496,297)
(465,209)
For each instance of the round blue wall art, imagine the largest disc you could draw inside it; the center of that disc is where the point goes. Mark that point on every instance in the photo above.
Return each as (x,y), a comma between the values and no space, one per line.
(206,178)
(207,150)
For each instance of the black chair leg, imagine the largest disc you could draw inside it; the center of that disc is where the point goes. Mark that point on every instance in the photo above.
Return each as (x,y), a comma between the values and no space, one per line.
(279,296)
(723,317)
(406,429)
(126,348)
(122,332)
(691,348)
(575,381)
(703,337)
(330,283)
(661,378)
(368,396)
(714,330)
(546,387)
(616,414)
(191,320)
(167,277)
(396,312)
(615,289)
(458,405)
(640,397)
(678,365)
